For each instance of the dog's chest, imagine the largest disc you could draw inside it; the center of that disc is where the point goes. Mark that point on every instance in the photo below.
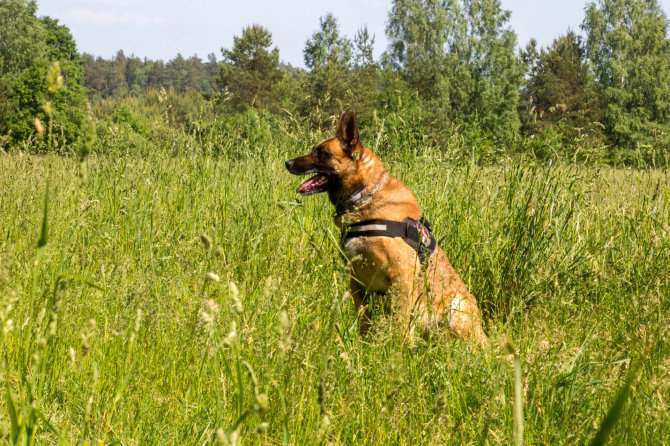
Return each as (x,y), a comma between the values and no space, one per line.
(368,263)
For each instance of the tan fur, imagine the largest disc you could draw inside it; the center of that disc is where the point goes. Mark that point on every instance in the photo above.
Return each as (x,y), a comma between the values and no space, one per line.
(425,297)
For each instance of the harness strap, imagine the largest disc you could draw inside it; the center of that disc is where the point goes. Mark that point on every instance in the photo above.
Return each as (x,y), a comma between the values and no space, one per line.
(416,233)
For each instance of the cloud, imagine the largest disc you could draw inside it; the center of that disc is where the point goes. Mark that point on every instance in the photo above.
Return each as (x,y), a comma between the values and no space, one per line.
(102,17)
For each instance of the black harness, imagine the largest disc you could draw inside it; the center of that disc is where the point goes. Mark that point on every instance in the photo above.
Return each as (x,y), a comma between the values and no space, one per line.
(416,233)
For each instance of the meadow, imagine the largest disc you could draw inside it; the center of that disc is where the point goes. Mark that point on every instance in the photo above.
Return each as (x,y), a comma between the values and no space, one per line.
(181,293)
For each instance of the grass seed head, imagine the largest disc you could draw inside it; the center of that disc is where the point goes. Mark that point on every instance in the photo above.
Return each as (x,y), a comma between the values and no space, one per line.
(39,126)
(235,296)
(55,79)
(262,403)
(46,106)
(231,339)
(262,428)
(212,276)
(206,241)
(138,319)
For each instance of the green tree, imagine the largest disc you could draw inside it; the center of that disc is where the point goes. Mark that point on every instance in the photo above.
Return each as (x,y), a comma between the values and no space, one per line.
(627,45)
(251,71)
(69,103)
(459,56)
(22,44)
(486,45)
(560,86)
(417,32)
(328,56)
(365,76)
(28,45)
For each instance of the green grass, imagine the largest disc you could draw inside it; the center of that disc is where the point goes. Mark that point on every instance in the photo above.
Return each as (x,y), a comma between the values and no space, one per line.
(117,335)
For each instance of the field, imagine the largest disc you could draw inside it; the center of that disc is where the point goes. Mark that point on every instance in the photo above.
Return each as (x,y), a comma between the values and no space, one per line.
(163,298)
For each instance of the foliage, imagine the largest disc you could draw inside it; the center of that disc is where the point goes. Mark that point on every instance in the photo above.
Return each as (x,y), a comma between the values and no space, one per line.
(328,56)
(560,91)
(250,72)
(131,75)
(459,56)
(31,46)
(627,44)
(22,44)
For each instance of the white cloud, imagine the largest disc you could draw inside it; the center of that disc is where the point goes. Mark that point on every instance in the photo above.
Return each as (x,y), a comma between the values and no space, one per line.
(103,17)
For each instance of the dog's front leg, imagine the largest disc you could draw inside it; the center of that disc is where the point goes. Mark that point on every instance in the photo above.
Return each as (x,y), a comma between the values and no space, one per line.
(407,308)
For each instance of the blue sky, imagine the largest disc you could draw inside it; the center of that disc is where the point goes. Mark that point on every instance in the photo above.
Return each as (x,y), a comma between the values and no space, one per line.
(161,29)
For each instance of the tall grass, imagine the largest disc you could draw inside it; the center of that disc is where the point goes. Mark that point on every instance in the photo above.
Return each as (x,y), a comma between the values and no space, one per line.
(196,299)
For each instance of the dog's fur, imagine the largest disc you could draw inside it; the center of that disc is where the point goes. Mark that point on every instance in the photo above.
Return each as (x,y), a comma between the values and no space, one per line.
(426,295)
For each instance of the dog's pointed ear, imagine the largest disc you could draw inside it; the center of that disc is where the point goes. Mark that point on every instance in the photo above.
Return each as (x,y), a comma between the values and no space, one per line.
(347,132)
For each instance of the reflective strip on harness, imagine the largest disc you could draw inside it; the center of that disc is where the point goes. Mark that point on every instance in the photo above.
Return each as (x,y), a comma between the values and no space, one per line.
(365,228)
(416,233)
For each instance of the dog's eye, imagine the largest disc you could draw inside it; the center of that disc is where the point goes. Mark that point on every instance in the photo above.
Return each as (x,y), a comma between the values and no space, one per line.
(321,153)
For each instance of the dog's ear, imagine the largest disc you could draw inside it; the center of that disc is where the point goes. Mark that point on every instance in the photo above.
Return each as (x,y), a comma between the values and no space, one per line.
(347,132)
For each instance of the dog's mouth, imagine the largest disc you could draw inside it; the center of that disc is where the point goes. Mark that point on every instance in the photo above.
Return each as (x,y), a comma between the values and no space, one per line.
(314,185)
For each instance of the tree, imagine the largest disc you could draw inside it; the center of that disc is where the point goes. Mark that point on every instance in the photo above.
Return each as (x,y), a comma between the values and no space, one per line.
(629,52)
(251,69)
(365,75)
(486,46)
(459,56)
(22,44)
(28,45)
(417,32)
(328,57)
(560,85)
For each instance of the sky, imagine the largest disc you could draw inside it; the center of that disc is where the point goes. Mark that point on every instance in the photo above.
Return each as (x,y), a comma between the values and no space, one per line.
(159,29)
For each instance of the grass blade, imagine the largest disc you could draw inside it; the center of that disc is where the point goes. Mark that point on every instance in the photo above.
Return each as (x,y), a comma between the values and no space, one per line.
(44,231)
(518,397)
(616,409)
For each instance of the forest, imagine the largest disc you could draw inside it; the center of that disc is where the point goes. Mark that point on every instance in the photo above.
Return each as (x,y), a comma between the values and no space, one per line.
(453,69)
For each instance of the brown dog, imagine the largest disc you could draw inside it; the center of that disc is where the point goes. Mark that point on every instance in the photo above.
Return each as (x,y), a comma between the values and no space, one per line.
(386,240)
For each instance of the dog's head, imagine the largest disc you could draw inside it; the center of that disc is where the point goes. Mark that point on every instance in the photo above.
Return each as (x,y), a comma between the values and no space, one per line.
(331,160)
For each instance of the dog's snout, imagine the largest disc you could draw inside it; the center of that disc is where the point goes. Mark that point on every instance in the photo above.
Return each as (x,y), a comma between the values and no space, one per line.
(289,164)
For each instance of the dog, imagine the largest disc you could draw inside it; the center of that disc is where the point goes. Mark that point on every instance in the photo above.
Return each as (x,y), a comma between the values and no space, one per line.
(388,243)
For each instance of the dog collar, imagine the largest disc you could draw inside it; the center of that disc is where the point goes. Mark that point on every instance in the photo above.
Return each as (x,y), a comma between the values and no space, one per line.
(416,233)
(357,199)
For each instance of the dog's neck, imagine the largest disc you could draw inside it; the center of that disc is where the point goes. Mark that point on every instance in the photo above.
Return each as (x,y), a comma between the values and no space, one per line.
(359,197)
(361,191)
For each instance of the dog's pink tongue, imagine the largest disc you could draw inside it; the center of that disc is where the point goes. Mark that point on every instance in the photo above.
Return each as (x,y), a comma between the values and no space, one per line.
(315,181)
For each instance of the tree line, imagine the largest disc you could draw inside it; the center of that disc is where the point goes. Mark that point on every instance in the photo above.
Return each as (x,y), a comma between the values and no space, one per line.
(452,66)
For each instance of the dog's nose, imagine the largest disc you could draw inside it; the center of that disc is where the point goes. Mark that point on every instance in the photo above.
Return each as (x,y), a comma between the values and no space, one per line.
(288,164)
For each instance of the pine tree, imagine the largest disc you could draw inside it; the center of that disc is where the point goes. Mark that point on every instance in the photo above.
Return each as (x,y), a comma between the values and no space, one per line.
(560,85)
(251,71)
